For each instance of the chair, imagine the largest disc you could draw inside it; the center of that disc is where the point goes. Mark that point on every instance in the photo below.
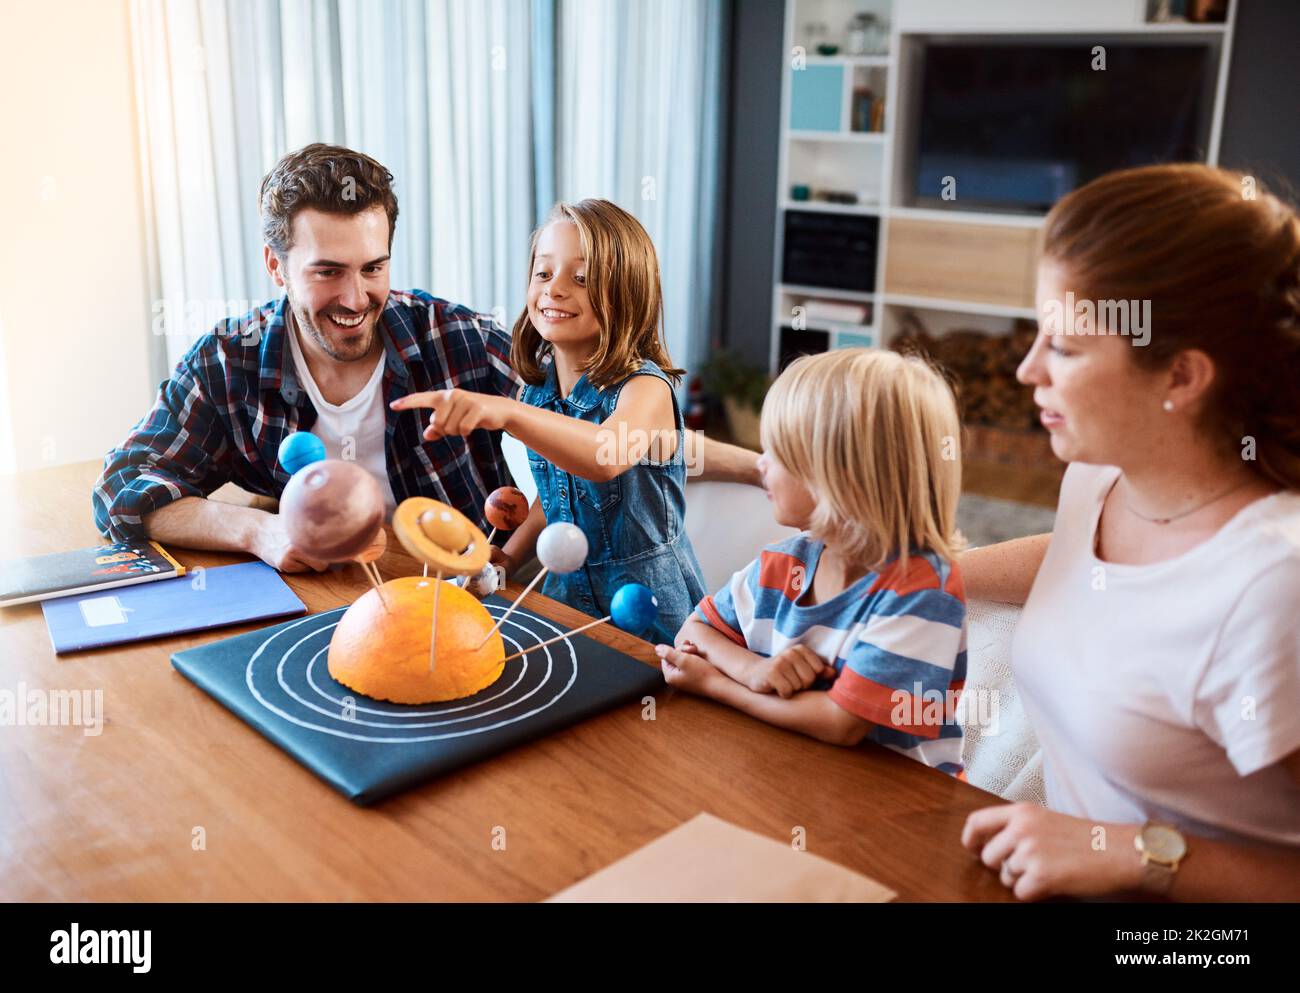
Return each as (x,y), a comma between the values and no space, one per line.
(728,523)
(999,748)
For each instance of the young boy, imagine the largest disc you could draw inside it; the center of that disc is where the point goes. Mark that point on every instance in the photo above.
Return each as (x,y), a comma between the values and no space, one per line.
(856,628)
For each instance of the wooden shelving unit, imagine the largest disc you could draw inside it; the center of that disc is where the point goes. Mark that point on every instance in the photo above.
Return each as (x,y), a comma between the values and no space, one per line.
(833,156)
(870,165)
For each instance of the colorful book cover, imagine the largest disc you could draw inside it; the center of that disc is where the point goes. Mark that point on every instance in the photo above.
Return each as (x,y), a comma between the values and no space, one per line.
(85,570)
(207,598)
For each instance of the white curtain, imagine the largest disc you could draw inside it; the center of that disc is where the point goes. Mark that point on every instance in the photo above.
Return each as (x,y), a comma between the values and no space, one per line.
(637,122)
(483,110)
(438,92)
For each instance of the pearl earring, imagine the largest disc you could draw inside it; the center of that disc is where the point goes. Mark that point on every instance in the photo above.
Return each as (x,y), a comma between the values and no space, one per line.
(1168,405)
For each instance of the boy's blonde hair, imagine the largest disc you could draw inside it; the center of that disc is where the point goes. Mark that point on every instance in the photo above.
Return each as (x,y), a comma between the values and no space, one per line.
(875,436)
(623,287)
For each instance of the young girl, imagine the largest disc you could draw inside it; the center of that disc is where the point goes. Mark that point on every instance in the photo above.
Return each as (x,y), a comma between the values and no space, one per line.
(855,628)
(598,414)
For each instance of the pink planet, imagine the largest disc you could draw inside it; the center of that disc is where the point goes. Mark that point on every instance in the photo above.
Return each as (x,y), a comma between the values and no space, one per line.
(332,509)
(506,508)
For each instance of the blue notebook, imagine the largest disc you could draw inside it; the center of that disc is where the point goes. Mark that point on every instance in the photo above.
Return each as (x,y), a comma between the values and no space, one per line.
(203,599)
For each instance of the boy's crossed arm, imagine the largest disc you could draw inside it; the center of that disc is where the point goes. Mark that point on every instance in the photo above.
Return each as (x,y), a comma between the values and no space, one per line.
(786,673)
(770,689)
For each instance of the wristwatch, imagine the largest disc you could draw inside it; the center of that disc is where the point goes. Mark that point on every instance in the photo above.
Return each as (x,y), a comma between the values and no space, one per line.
(1161,848)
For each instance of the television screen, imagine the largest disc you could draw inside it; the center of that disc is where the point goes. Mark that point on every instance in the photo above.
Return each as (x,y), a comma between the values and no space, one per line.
(1017,126)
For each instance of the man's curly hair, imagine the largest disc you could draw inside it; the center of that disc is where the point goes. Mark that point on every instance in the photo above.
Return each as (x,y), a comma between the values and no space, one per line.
(329,178)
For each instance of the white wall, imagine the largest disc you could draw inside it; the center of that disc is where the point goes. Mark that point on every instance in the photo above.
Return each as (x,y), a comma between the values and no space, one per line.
(74,308)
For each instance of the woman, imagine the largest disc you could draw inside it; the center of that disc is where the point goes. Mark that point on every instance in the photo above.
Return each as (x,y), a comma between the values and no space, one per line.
(1158,654)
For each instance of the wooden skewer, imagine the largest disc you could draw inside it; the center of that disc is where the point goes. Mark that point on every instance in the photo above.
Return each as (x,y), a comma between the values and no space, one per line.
(527,589)
(376,580)
(433,636)
(552,641)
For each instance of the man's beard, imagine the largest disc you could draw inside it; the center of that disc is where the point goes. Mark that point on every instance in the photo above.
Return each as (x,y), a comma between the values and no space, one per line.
(349,352)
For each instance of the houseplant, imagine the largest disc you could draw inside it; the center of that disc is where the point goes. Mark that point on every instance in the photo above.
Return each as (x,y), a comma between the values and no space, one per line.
(741,387)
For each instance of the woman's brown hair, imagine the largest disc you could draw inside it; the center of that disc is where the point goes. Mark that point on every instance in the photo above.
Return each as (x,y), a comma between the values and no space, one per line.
(1219,259)
(623,287)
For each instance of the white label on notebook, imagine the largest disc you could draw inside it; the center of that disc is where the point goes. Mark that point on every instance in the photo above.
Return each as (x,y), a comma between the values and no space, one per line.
(103,610)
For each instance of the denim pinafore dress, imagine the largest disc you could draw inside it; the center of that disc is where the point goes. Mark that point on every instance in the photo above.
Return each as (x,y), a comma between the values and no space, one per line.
(634,523)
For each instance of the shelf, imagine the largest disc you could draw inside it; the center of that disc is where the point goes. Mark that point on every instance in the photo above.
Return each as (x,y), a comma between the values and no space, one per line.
(837,328)
(968,216)
(864,209)
(830,327)
(866,61)
(960,306)
(1181,27)
(833,337)
(858,137)
(996,29)
(857,296)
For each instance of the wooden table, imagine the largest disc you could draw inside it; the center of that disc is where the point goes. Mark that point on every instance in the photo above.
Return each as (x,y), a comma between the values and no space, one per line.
(112,817)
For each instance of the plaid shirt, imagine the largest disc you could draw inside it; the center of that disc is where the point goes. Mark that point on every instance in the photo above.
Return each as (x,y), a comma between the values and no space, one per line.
(235,395)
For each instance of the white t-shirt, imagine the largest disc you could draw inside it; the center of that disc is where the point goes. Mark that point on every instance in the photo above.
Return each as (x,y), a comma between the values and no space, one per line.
(1168,691)
(358,423)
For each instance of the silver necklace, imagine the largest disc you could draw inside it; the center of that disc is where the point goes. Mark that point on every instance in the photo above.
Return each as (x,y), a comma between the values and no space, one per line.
(1200,506)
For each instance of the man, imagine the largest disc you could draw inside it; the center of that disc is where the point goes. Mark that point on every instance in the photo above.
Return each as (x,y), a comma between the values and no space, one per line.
(328,357)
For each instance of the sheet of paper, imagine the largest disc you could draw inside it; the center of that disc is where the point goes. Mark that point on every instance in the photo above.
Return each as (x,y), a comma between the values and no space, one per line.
(707,860)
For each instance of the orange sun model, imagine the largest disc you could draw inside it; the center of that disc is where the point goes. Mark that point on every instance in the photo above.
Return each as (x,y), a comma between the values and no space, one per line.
(388,646)
(381,646)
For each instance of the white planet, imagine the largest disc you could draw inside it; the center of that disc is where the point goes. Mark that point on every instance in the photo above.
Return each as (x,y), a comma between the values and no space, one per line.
(562,547)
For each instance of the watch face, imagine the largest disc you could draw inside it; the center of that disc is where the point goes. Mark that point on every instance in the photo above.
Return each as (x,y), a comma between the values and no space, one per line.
(1162,843)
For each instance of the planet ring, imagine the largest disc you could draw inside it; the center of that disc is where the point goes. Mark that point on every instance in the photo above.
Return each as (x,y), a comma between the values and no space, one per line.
(406,525)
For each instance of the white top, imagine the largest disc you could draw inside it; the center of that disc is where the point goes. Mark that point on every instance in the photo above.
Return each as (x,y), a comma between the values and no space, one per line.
(353,430)
(1168,691)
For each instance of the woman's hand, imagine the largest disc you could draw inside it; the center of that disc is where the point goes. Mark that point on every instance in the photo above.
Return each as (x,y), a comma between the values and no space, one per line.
(457,412)
(1039,853)
(788,672)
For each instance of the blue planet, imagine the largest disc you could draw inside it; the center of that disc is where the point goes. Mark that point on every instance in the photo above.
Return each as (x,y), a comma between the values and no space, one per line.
(299,449)
(634,608)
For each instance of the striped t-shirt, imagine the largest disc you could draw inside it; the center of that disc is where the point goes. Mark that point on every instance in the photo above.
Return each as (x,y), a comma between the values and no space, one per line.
(897,639)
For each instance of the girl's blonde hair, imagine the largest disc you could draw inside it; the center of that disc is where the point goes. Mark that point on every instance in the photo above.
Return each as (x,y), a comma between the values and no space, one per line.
(623,287)
(875,436)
